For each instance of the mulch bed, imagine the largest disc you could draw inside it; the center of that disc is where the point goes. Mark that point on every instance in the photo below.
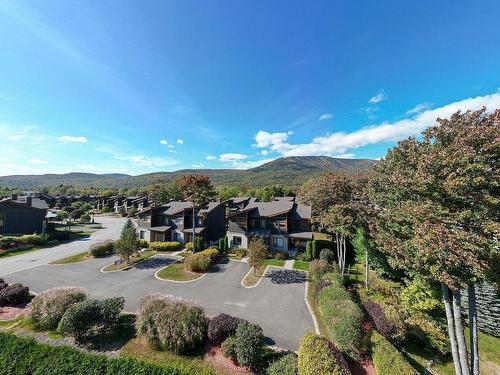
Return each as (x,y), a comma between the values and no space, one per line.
(12,312)
(214,356)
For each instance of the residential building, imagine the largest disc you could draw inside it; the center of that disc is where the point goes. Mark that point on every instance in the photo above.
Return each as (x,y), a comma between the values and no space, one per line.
(236,204)
(173,221)
(25,215)
(284,224)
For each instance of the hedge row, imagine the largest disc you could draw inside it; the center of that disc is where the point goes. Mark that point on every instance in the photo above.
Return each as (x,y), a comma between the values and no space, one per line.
(318,356)
(165,246)
(7,242)
(387,359)
(23,356)
(342,316)
(314,247)
(201,261)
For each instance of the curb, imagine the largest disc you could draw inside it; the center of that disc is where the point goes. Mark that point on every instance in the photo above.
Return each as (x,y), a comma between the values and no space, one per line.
(176,281)
(311,311)
(258,282)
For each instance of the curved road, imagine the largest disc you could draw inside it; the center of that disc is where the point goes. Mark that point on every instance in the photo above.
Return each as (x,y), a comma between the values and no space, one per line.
(112,228)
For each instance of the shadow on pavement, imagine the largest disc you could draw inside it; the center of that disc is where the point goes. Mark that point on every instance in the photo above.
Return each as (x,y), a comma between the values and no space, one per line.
(286,277)
(154,262)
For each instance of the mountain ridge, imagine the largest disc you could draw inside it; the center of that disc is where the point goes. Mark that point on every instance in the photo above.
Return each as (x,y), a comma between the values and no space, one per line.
(287,171)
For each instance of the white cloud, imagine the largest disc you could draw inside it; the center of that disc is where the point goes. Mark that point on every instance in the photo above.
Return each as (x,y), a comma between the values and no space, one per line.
(197,166)
(345,156)
(264,152)
(180,141)
(230,158)
(164,142)
(249,164)
(211,157)
(71,139)
(38,161)
(144,161)
(340,142)
(419,108)
(379,97)
(265,139)
(325,117)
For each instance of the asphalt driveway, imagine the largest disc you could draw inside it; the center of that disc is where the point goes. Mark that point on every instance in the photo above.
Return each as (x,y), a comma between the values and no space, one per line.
(112,227)
(276,304)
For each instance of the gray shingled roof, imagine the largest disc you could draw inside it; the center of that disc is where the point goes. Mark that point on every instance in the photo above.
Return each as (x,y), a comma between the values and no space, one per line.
(270,208)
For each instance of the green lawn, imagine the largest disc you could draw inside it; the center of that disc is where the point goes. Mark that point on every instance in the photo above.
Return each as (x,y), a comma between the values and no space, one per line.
(139,349)
(274,262)
(72,258)
(301,265)
(177,272)
(141,257)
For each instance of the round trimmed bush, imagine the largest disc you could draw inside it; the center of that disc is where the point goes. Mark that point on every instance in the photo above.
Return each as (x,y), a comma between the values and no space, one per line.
(319,356)
(14,294)
(92,321)
(286,365)
(189,246)
(249,339)
(221,327)
(47,308)
(142,244)
(327,255)
(280,255)
(171,323)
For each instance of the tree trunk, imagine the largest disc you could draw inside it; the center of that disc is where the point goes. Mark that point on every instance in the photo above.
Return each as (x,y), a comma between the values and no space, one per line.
(451,328)
(343,256)
(459,329)
(194,229)
(337,244)
(474,342)
(366,268)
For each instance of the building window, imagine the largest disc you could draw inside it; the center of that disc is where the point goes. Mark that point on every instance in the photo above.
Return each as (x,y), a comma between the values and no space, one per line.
(142,235)
(199,221)
(278,242)
(237,240)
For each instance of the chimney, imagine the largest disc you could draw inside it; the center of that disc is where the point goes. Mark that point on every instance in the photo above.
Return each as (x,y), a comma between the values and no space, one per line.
(13,196)
(29,201)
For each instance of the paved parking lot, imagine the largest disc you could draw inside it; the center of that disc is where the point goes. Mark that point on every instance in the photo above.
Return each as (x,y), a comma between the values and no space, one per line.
(276,304)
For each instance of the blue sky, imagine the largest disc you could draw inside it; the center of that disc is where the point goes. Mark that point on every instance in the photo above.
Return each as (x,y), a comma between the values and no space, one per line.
(137,87)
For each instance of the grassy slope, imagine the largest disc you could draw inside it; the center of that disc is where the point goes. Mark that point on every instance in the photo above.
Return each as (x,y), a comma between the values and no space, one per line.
(72,258)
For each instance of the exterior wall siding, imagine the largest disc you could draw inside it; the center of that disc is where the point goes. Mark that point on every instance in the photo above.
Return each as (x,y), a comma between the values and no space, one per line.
(19,219)
(244,240)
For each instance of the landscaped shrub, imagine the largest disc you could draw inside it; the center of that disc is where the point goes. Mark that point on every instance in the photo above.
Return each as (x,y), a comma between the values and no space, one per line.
(303,257)
(317,268)
(92,321)
(280,255)
(228,348)
(420,296)
(201,261)
(3,284)
(198,262)
(387,359)
(170,323)
(318,356)
(198,243)
(286,365)
(327,255)
(308,251)
(240,253)
(221,327)
(249,339)
(142,244)
(20,355)
(100,249)
(342,316)
(7,242)
(189,246)
(430,333)
(314,249)
(387,319)
(14,294)
(47,308)
(85,218)
(165,246)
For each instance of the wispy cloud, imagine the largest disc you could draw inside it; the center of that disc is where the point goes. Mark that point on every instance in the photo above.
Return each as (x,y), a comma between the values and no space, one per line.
(164,142)
(419,108)
(180,141)
(377,98)
(340,142)
(325,117)
(249,164)
(210,157)
(145,161)
(72,139)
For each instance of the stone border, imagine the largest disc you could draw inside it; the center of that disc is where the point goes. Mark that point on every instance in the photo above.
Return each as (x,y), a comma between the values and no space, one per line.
(258,282)
(309,307)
